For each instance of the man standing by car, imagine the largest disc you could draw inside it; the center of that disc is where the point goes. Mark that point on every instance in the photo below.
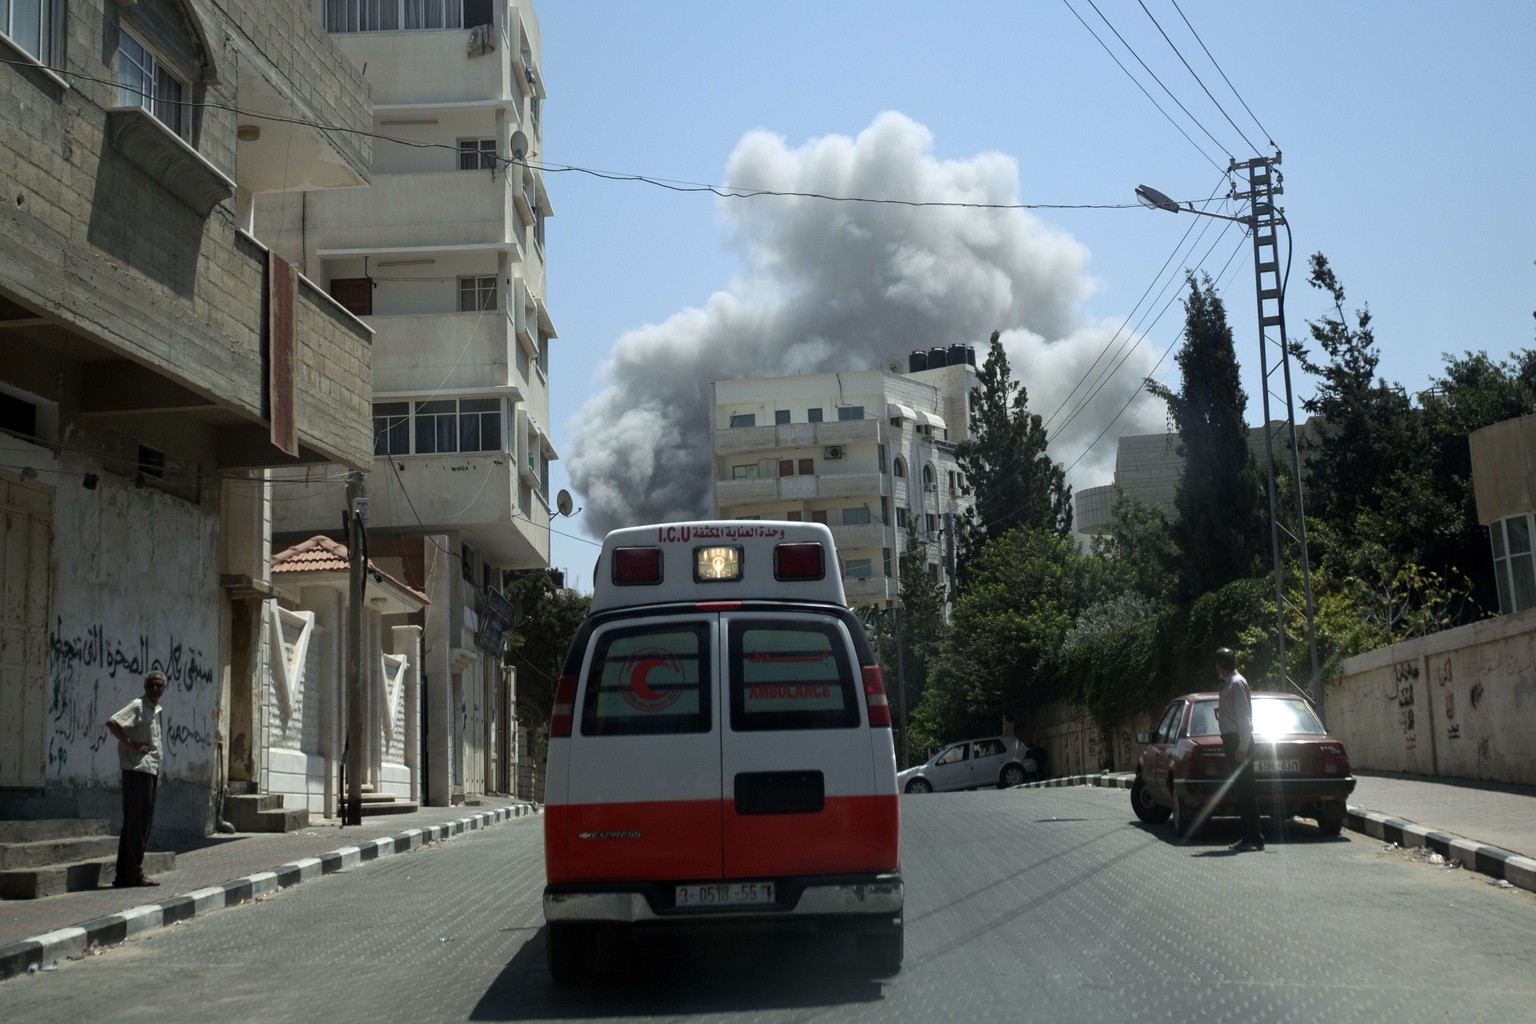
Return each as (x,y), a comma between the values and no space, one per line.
(137,728)
(1234,715)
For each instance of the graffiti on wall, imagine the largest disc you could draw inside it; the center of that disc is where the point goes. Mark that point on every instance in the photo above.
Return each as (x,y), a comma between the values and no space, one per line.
(76,667)
(1445,678)
(1405,674)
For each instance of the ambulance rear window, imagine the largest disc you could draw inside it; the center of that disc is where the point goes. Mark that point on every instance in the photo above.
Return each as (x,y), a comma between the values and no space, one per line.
(646,680)
(791,675)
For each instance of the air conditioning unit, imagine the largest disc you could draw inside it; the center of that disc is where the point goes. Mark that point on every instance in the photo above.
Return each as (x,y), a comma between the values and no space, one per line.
(833,452)
(930,487)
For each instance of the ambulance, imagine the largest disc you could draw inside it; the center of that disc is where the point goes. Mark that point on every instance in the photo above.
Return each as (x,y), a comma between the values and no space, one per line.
(720,750)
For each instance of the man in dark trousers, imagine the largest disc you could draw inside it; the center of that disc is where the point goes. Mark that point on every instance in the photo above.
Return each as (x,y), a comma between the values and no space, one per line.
(1234,715)
(137,728)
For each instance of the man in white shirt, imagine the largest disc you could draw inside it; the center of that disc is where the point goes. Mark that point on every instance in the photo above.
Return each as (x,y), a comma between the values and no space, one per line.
(137,728)
(1234,716)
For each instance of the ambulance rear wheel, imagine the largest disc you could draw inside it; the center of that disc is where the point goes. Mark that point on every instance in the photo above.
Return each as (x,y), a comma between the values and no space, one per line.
(571,951)
(880,952)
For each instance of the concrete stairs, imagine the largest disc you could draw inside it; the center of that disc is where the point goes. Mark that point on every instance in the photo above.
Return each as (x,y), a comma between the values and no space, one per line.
(262,812)
(385,803)
(56,855)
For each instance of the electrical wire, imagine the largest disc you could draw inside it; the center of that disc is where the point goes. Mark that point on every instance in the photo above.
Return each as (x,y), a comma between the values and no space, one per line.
(1223,75)
(1171,45)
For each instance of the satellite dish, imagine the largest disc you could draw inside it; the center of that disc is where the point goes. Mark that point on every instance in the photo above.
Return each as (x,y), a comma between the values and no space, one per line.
(893,366)
(519,145)
(563,502)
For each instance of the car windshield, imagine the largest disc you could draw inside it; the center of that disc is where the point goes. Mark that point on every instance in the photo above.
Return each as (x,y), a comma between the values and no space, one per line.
(1272,716)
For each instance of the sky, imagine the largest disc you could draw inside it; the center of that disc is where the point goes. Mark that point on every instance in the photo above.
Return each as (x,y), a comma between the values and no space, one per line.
(1010,138)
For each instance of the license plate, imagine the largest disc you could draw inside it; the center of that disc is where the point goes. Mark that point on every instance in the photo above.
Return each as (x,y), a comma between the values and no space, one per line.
(723,894)
(1277,767)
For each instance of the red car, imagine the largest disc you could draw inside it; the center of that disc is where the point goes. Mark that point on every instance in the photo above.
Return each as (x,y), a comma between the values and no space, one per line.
(1299,769)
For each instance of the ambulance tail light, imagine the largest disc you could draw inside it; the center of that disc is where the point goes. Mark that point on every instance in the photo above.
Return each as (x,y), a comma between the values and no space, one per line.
(874,698)
(799,562)
(636,566)
(564,712)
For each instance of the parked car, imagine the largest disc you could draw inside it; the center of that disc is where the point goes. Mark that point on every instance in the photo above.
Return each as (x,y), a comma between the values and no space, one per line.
(1000,761)
(1299,769)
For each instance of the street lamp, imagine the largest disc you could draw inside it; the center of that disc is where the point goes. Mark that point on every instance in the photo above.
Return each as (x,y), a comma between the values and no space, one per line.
(1262,218)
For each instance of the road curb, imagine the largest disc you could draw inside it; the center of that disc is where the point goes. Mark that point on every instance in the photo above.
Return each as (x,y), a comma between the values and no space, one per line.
(1493,861)
(42,951)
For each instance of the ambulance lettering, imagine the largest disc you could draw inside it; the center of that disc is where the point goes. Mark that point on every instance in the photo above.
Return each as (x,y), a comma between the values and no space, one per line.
(637,670)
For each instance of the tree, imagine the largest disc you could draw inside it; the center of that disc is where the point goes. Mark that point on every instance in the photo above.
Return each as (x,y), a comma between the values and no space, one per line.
(547,617)
(1220,527)
(923,626)
(1010,475)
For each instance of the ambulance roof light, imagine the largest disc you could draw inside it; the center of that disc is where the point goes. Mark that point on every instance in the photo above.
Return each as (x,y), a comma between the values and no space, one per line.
(798,562)
(717,564)
(636,566)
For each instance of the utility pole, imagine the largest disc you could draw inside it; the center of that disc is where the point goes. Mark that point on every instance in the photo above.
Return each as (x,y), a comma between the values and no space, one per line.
(356,513)
(1274,359)
(1269,287)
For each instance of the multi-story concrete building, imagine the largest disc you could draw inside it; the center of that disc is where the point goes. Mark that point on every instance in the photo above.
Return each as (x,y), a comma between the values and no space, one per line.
(867,453)
(443,257)
(156,360)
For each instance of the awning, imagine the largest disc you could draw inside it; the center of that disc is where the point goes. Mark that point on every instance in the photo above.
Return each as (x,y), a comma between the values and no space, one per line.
(931,419)
(894,411)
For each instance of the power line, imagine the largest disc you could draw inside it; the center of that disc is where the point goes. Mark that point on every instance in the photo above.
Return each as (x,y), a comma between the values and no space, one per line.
(1251,147)
(1223,75)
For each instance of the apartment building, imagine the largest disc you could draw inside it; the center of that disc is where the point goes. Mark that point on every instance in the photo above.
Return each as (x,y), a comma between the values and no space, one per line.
(867,452)
(156,361)
(443,257)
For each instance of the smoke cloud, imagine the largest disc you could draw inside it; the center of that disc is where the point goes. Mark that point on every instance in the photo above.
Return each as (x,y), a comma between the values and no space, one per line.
(833,286)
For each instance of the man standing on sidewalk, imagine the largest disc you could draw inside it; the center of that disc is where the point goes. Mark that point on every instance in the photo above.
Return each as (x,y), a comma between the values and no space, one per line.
(137,728)
(1234,715)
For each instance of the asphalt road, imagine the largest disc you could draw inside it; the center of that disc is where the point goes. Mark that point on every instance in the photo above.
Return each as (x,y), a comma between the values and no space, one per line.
(1022,905)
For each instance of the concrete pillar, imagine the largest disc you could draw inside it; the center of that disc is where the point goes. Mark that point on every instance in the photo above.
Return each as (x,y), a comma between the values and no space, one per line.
(407,643)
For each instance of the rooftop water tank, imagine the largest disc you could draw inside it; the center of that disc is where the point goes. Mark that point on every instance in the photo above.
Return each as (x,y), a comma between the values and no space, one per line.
(937,359)
(917,361)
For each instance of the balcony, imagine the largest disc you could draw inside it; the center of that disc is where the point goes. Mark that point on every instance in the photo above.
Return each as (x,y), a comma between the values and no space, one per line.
(737,440)
(869,589)
(449,350)
(416,211)
(769,490)
(862,537)
(431,67)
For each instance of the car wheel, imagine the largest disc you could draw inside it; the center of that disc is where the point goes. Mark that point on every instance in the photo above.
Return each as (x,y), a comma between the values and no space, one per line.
(880,952)
(1146,808)
(919,786)
(1013,775)
(570,951)
(1330,822)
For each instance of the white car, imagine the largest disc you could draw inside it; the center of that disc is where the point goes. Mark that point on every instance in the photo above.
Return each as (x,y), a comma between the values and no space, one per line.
(1000,761)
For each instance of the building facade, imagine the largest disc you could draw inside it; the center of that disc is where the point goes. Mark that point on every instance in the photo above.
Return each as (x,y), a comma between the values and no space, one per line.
(443,257)
(868,453)
(159,361)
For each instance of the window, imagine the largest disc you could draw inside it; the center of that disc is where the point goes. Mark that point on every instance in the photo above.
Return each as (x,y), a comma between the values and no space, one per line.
(476,294)
(901,517)
(858,568)
(795,517)
(649,680)
(744,472)
(791,675)
(880,457)
(850,412)
(412,15)
(781,416)
(743,419)
(856,516)
(142,81)
(391,428)
(791,467)
(813,415)
(929,483)
(899,466)
(477,154)
(447,425)
(931,524)
(29,24)
(1513,565)
(819,515)
(354,293)
(885,509)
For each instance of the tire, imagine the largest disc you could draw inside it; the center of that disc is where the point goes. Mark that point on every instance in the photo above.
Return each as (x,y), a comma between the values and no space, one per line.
(919,786)
(1012,775)
(1147,809)
(880,953)
(570,952)
(1330,822)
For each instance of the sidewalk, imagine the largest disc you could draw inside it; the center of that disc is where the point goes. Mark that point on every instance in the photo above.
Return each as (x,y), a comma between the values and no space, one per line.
(225,870)
(1487,826)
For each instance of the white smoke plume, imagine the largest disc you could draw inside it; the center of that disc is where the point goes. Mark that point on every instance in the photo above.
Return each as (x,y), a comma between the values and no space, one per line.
(836,286)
